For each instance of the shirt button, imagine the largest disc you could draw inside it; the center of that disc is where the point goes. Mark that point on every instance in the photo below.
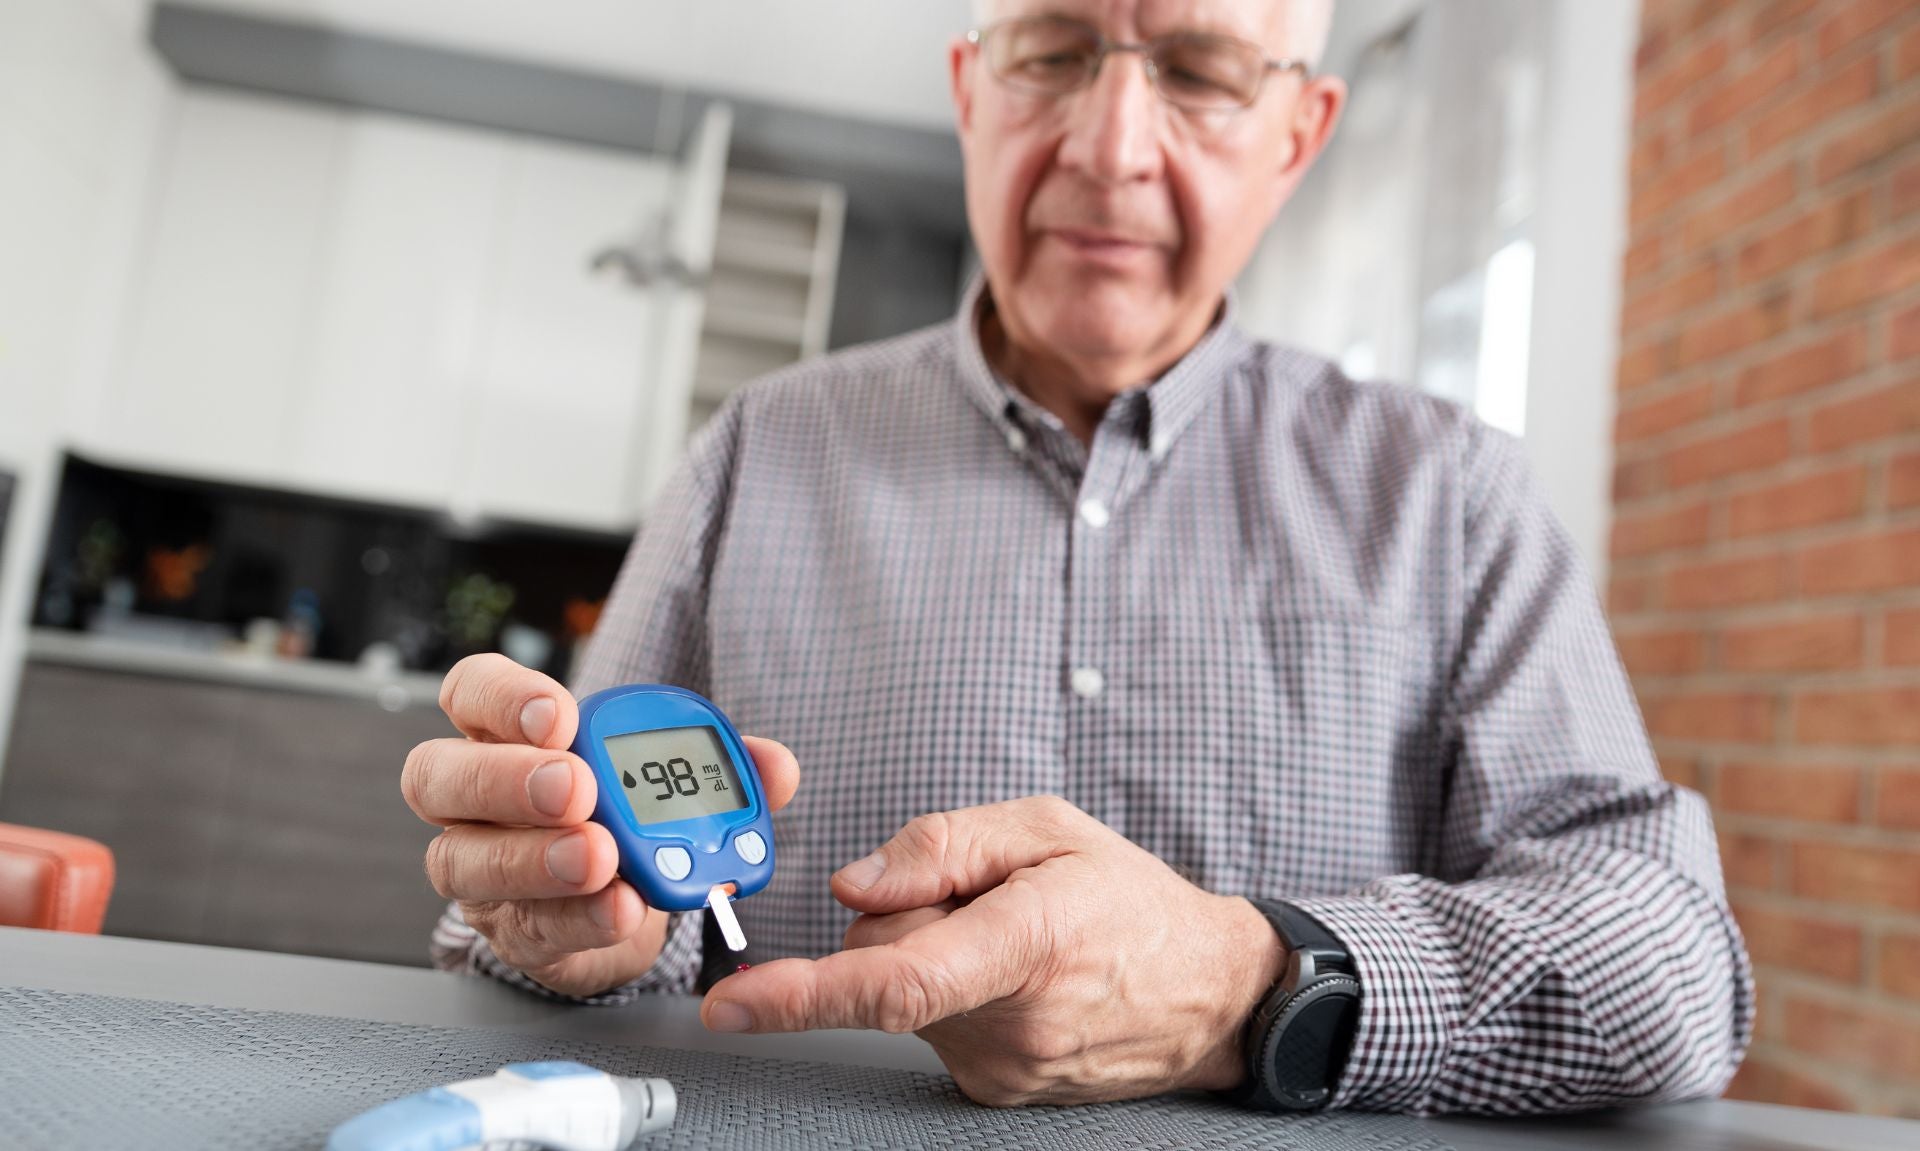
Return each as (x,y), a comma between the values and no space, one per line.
(1016,440)
(1158,448)
(1087,682)
(1095,513)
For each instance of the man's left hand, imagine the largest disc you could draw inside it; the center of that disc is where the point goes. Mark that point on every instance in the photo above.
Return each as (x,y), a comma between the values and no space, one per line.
(1045,957)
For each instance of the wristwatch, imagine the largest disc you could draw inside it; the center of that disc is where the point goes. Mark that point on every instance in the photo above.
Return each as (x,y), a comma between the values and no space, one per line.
(1297,1041)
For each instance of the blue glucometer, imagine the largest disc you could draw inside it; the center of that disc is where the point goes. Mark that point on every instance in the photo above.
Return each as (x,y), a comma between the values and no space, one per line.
(679,793)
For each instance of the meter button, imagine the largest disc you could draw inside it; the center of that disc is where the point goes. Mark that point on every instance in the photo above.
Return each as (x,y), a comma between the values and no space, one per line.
(673,862)
(751,847)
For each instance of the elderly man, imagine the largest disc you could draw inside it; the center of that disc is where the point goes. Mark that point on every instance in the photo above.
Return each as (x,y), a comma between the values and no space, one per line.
(1178,713)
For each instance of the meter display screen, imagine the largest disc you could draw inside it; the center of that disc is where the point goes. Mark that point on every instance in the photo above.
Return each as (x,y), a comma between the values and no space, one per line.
(676,773)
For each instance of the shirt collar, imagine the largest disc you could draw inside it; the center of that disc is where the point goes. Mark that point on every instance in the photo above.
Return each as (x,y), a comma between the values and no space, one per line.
(1172,400)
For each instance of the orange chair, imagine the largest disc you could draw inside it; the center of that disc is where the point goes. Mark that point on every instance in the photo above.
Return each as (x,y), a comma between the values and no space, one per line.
(52,880)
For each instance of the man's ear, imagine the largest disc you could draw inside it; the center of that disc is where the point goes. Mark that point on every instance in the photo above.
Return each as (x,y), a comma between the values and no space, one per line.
(1315,115)
(960,75)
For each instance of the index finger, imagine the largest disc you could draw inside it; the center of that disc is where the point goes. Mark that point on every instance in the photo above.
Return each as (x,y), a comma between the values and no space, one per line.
(982,952)
(489,697)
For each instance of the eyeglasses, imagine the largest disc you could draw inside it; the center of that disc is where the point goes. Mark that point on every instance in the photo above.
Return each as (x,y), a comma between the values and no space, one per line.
(1197,71)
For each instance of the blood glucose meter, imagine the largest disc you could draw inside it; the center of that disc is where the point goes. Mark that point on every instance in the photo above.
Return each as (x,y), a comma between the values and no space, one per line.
(681,797)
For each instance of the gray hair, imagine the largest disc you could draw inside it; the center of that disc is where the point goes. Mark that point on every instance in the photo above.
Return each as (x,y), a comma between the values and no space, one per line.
(1307,26)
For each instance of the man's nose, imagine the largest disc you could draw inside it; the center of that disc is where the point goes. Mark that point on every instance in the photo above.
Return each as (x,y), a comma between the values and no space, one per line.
(1113,135)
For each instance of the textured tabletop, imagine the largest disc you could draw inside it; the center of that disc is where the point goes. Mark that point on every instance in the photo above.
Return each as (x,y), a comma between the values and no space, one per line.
(102,1072)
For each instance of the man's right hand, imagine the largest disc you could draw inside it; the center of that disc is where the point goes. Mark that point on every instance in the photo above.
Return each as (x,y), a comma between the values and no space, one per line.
(530,870)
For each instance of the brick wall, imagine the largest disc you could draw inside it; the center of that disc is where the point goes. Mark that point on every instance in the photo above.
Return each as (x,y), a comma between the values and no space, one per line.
(1765,586)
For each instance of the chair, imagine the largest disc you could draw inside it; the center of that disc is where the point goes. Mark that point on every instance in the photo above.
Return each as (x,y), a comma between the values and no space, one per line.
(52,880)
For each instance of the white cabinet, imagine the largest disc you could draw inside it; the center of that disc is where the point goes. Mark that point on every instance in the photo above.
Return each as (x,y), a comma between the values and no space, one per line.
(398,316)
(397,310)
(563,379)
(222,322)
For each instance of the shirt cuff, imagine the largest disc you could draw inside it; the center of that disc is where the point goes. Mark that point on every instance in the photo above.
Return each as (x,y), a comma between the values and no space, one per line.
(458,947)
(1410,999)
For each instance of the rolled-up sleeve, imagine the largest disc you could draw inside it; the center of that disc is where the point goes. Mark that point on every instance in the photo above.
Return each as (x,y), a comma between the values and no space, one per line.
(1574,947)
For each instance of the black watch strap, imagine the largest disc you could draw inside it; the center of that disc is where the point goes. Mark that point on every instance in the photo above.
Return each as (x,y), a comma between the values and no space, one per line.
(1299,1037)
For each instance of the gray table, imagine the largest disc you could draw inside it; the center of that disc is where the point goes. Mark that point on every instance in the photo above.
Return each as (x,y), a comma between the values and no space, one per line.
(263,981)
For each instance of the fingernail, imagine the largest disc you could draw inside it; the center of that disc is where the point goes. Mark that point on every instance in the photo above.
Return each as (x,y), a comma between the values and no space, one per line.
(550,787)
(864,873)
(536,719)
(601,911)
(567,859)
(728,1017)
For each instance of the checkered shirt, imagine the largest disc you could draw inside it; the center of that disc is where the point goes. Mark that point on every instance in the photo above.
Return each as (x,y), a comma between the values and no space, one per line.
(1298,636)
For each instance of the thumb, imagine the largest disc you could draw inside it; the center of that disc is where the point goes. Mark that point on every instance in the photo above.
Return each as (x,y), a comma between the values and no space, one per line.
(960,854)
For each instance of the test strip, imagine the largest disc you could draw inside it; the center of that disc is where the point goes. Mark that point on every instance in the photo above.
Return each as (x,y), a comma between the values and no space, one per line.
(722,904)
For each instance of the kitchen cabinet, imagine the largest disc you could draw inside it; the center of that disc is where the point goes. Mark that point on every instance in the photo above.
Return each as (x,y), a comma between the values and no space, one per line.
(387,308)
(238,816)
(222,321)
(399,312)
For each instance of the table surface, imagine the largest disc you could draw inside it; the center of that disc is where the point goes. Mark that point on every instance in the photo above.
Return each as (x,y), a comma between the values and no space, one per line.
(264,981)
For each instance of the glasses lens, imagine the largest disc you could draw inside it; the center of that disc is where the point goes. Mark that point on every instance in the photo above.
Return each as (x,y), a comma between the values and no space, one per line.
(1044,53)
(1208,72)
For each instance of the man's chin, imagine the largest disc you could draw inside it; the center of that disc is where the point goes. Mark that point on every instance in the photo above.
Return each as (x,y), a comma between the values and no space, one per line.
(1099,320)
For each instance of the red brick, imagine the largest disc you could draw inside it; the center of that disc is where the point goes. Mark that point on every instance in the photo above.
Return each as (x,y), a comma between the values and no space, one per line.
(1773,17)
(1896,803)
(1824,794)
(1817,499)
(1644,257)
(1813,105)
(1722,716)
(1859,876)
(1756,199)
(1903,481)
(1869,142)
(1824,361)
(1637,479)
(1683,75)
(1892,411)
(1906,191)
(1748,860)
(1681,182)
(1866,278)
(1825,644)
(1728,583)
(1809,234)
(1876,561)
(1830,948)
(1906,58)
(1664,414)
(1683,770)
(1850,21)
(1859,717)
(1711,337)
(1645,364)
(1629,595)
(1902,647)
(1763,1080)
(1900,965)
(1651,154)
(1744,89)
(1657,653)
(1879,1041)
(1677,530)
(1678,295)
(1903,334)
(1760,445)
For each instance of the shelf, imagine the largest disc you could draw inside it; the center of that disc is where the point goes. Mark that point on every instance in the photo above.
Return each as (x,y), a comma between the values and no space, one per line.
(748,326)
(749,256)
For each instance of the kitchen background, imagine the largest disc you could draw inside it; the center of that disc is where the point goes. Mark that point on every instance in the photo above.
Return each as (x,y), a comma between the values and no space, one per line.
(342,338)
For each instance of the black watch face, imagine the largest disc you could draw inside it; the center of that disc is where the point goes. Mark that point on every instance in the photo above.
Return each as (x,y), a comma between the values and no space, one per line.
(1306,1045)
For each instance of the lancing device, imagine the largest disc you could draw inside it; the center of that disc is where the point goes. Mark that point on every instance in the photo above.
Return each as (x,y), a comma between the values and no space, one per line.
(682,798)
(559,1105)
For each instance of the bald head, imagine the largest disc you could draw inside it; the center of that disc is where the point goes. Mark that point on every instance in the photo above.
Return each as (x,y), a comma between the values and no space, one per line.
(1307,22)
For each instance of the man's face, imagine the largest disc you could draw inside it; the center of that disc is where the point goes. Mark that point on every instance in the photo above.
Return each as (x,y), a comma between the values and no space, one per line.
(1109,221)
